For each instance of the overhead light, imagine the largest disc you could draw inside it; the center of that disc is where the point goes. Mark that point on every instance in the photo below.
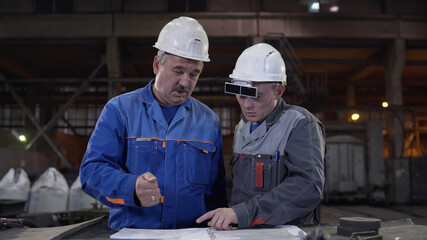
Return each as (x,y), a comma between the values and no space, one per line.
(22,138)
(314,7)
(334,8)
(355,116)
(385,104)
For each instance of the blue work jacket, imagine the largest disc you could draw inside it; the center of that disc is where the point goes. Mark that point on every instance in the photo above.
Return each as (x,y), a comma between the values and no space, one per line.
(132,137)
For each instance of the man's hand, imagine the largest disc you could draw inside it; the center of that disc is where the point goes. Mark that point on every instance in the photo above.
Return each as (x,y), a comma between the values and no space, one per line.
(147,190)
(221,218)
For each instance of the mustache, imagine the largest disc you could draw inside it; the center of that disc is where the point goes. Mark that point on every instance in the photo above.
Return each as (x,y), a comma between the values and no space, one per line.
(181,89)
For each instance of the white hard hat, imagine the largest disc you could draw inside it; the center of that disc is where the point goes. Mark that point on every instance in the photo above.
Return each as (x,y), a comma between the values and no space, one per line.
(184,37)
(260,63)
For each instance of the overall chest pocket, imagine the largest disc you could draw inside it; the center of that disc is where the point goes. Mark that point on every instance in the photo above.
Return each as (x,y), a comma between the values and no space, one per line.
(143,155)
(264,173)
(197,162)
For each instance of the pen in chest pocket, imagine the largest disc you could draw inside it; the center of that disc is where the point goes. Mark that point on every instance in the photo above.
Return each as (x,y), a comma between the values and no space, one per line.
(277,158)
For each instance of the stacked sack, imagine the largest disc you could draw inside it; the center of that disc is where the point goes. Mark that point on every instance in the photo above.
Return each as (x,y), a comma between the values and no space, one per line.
(79,200)
(49,193)
(14,190)
(15,185)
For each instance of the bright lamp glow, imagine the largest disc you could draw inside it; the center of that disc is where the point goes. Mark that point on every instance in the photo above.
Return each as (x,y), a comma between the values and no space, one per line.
(355,116)
(334,8)
(384,104)
(22,138)
(315,6)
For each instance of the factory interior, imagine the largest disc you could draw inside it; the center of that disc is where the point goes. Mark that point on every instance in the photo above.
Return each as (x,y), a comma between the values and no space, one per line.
(360,66)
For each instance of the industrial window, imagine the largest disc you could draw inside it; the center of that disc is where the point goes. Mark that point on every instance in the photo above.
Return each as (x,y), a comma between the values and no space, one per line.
(80,120)
(228,117)
(11,116)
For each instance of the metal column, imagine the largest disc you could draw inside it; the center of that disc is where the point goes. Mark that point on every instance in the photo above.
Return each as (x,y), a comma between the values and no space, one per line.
(393,75)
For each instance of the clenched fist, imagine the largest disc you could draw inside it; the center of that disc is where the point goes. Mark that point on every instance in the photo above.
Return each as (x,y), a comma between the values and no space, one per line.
(147,190)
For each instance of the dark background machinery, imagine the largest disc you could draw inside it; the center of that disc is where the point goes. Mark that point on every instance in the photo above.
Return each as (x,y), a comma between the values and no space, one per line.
(61,61)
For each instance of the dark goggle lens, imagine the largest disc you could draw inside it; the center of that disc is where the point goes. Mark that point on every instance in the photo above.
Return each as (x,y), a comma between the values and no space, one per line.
(240,90)
(233,89)
(248,91)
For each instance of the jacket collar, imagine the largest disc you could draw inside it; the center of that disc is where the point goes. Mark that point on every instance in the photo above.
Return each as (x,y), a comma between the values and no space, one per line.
(277,112)
(270,120)
(154,109)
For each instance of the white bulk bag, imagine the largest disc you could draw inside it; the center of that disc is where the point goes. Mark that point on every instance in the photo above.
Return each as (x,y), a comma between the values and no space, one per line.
(78,199)
(49,193)
(15,185)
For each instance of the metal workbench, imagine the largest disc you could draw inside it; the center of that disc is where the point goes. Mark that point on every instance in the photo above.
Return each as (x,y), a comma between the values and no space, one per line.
(97,229)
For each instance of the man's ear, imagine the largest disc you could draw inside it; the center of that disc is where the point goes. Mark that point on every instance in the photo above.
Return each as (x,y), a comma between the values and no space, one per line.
(156,64)
(279,91)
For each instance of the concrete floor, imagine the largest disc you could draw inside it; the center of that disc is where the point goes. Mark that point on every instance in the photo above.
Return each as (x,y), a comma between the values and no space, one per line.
(330,214)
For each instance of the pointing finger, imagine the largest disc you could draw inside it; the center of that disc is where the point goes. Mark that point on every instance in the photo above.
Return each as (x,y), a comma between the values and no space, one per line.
(205,216)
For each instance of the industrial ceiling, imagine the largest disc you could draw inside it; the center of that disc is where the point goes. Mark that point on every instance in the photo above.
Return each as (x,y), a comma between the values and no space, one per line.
(367,53)
(352,50)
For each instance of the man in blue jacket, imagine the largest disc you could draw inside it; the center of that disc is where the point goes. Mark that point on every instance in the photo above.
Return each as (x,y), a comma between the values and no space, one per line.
(278,149)
(155,156)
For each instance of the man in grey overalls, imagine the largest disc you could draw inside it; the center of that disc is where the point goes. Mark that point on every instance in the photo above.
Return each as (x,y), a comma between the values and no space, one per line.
(278,161)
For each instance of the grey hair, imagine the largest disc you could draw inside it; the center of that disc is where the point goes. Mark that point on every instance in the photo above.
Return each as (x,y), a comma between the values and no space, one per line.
(161,56)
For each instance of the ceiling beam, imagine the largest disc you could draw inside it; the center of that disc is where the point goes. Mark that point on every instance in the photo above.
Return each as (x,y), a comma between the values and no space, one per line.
(55,26)
(361,73)
(353,62)
(15,68)
(244,24)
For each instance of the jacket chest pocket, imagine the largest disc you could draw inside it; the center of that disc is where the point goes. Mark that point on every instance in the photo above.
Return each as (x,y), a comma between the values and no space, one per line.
(263,173)
(144,156)
(197,162)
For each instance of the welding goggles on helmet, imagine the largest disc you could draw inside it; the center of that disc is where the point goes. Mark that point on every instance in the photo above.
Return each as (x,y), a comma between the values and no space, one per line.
(258,63)
(242,88)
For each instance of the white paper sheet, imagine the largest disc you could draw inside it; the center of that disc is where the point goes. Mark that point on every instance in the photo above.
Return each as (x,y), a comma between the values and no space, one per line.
(160,234)
(286,232)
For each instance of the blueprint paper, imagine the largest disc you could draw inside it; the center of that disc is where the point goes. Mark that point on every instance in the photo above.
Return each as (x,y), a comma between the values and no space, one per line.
(286,232)
(160,234)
